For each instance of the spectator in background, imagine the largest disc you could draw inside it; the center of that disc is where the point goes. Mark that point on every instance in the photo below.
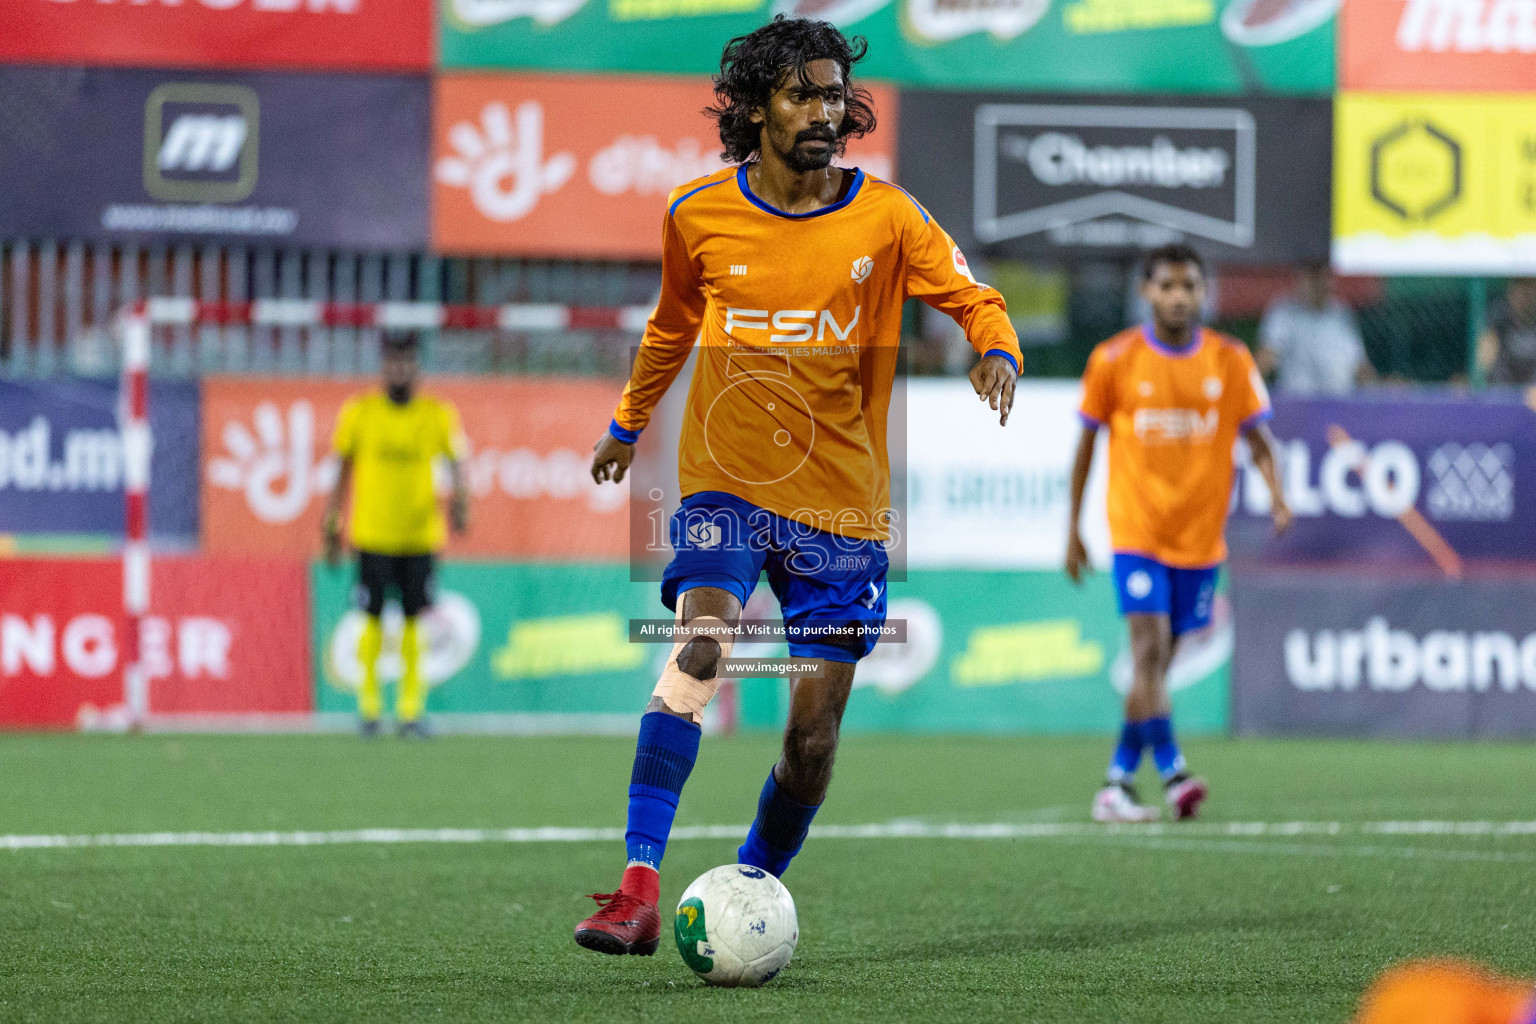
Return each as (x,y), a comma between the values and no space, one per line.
(1309,340)
(1507,348)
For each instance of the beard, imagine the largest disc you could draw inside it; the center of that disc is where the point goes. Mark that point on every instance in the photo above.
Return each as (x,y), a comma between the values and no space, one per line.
(802,160)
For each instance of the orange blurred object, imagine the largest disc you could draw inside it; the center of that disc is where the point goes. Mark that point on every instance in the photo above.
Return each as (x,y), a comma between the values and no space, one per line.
(1446,992)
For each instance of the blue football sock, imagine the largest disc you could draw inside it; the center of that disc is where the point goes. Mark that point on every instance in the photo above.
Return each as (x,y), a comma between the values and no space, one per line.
(779,830)
(664,755)
(1127,756)
(1165,750)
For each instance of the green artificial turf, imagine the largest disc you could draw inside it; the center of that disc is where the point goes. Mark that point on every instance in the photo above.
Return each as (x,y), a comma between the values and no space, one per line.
(1179,927)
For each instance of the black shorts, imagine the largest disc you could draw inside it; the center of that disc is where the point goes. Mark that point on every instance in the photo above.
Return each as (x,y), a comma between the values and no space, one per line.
(411,575)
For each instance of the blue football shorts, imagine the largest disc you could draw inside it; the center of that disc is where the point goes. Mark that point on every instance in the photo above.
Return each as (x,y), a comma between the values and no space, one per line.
(1147,586)
(832,589)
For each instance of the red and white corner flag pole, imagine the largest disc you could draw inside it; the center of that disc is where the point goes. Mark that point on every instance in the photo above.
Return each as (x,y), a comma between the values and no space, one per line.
(137,445)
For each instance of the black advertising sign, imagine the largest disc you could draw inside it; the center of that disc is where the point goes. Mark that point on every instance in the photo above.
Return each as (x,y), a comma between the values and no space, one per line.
(1243,180)
(1350,654)
(282,159)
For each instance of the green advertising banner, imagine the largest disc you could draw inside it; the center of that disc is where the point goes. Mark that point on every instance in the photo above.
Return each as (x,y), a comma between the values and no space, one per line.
(539,639)
(1196,46)
(1013,652)
(1003,652)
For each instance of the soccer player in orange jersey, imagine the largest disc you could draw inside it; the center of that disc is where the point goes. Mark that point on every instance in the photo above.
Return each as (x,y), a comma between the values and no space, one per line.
(1447,992)
(1174,397)
(791,274)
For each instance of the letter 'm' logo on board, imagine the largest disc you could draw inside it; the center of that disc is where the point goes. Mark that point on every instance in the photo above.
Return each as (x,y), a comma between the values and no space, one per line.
(200,142)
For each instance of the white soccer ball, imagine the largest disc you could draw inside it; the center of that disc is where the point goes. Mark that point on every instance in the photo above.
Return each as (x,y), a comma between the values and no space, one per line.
(736,925)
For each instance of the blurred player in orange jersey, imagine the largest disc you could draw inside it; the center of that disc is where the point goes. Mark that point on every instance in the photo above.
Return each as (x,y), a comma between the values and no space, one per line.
(1174,397)
(1447,992)
(791,274)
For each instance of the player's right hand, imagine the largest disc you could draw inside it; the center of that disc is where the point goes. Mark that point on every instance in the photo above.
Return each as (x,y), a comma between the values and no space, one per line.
(994,379)
(611,458)
(331,535)
(1077,558)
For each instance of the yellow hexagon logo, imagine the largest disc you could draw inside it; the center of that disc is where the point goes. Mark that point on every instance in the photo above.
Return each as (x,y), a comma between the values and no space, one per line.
(1416,170)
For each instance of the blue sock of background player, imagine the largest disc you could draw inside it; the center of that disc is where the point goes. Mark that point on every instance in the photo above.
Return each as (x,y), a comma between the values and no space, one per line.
(1127,756)
(1165,749)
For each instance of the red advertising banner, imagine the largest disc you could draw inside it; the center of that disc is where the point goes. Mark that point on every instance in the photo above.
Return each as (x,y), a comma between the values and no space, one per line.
(561,165)
(224,636)
(1438,45)
(267,467)
(382,35)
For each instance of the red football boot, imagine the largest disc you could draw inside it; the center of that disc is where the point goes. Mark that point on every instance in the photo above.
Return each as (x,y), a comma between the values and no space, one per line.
(1184,795)
(628,921)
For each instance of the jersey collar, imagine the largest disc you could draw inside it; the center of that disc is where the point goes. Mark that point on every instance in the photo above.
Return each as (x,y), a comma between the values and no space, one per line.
(1195,344)
(746,190)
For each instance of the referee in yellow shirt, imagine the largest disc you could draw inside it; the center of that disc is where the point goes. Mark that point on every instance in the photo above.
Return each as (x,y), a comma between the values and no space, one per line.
(387,441)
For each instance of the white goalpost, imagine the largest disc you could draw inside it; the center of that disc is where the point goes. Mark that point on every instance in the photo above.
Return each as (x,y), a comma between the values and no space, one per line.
(135,325)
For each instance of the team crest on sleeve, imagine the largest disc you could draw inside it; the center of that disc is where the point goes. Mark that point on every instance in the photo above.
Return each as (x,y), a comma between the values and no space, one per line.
(961,266)
(862,268)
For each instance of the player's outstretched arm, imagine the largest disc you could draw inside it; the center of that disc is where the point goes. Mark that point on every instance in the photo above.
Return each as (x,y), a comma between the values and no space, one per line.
(1077,553)
(669,336)
(1261,446)
(938,274)
(611,458)
(994,381)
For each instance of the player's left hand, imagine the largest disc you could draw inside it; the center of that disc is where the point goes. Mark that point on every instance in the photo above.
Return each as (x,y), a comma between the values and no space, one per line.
(330,534)
(994,379)
(611,458)
(458,512)
(1281,513)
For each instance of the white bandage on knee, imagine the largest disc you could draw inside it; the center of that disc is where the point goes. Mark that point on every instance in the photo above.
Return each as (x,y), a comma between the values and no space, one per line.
(678,690)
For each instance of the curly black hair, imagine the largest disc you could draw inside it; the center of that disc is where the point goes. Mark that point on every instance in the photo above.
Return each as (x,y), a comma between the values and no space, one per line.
(756,64)
(1173,252)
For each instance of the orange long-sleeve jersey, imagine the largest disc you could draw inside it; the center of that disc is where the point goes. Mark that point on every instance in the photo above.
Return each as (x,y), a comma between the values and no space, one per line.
(798,322)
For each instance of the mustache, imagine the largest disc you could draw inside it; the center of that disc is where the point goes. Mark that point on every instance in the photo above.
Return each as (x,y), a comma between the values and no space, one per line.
(816,135)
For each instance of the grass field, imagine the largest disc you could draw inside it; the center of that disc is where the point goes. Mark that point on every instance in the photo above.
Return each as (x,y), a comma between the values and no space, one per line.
(1220,921)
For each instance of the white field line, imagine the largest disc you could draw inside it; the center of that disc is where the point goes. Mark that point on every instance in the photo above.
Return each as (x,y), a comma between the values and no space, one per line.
(1173,834)
(1288,849)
